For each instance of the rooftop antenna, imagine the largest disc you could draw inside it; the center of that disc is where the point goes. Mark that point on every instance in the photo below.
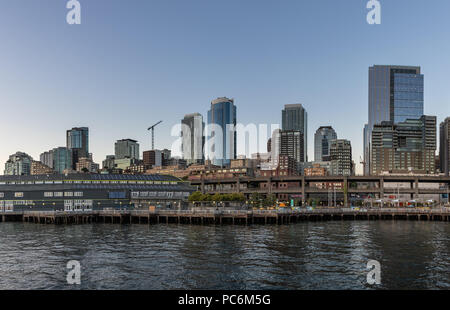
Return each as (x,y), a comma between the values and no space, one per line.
(152,128)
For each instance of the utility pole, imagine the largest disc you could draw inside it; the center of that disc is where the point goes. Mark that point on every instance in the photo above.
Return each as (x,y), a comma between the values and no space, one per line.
(334,193)
(152,128)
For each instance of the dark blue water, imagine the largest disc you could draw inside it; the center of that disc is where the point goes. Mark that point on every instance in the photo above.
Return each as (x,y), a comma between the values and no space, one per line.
(325,255)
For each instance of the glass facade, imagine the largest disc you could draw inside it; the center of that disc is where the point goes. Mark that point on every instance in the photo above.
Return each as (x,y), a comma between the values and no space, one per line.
(295,117)
(396,93)
(62,159)
(408,97)
(221,115)
(77,138)
(78,143)
(322,143)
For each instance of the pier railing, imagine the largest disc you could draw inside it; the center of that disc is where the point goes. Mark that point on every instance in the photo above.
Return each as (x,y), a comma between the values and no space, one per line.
(324,211)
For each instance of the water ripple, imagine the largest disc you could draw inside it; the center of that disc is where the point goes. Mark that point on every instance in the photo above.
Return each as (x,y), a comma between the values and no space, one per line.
(332,255)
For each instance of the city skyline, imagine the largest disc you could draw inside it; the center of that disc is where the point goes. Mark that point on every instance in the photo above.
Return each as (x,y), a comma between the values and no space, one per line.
(39,84)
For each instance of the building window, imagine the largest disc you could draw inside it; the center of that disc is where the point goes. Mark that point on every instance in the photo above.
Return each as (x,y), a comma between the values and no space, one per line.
(68,194)
(18,194)
(48,194)
(58,194)
(78,194)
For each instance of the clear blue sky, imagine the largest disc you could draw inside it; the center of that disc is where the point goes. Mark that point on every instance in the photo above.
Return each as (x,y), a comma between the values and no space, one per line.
(133,63)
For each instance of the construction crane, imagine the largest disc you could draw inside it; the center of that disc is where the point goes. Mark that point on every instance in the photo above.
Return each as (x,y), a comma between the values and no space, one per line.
(152,128)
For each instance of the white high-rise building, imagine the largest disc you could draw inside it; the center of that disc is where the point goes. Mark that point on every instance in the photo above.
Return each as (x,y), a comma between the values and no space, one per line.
(192,127)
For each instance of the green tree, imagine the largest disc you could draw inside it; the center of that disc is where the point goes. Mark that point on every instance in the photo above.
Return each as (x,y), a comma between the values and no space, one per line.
(196,196)
(217,197)
(256,199)
(270,200)
(237,197)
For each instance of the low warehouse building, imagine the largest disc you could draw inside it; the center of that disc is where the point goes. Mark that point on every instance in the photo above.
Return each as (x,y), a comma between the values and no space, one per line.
(85,192)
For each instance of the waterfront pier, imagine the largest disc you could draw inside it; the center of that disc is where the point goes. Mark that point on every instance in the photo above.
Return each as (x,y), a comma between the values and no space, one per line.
(223,217)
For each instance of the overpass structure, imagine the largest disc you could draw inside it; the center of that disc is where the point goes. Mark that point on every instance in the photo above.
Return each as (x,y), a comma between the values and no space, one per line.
(342,187)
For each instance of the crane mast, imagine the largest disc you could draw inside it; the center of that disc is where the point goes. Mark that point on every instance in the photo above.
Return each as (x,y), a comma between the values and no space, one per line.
(152,128)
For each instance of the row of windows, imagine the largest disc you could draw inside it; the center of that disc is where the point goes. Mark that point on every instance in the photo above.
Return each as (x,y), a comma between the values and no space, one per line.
(159,194)
(87,182)
(61,194)
(49,194)
(7,203)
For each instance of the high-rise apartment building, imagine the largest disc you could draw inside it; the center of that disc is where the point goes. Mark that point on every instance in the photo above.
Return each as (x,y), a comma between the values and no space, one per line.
(192,127)
(444,146)
(47,159)
(322,143)
(108,162)
(408,146)
(221,135)
(18,164)
(59,159)
(341,157)
(295,117)
(126,148)
(289,143)
(396,93)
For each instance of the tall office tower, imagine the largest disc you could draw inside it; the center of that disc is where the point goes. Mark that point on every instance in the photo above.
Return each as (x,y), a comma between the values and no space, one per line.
(396,93)
(322,143)
(18,164)
(408,146)
(222,145)
(78,143)
(295,117)
(341,157)
(444,146)
(192,127)
(126,148)
(289,143)
(62,159)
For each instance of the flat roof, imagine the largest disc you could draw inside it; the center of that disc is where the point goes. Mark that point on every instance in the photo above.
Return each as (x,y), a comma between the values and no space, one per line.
(88,176)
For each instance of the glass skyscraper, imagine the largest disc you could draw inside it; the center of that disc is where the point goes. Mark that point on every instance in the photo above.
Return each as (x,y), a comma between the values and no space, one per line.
(62,159)
(322,143)
(295,117)
(221,146)
(396,93)
(78,143)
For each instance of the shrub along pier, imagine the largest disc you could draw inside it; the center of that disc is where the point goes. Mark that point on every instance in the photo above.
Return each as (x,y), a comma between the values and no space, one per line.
(222,216)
